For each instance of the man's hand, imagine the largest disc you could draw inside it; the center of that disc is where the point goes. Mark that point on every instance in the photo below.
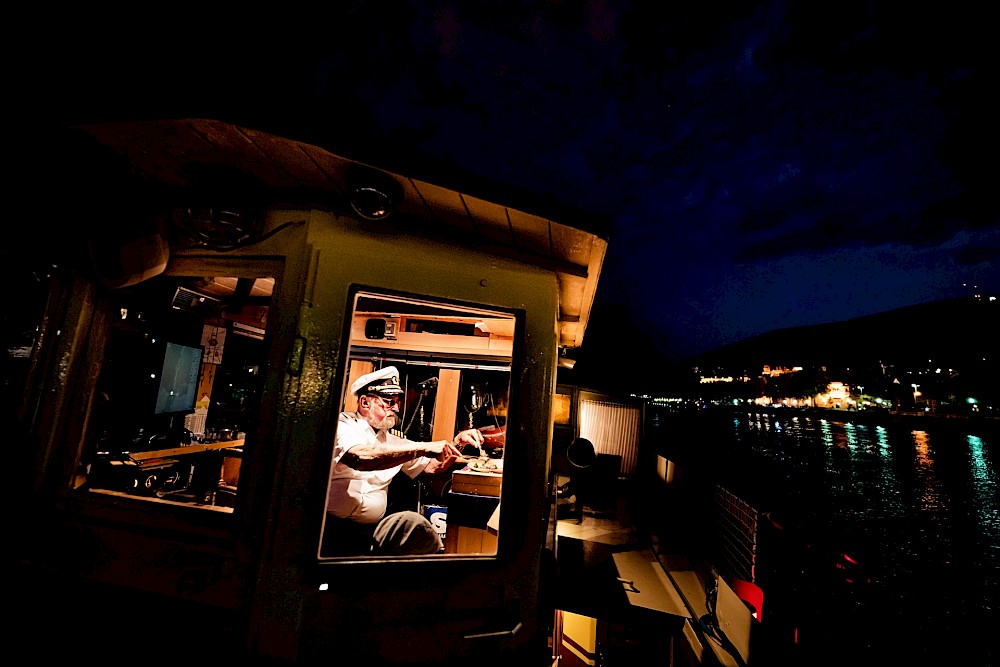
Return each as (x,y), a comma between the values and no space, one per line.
(442,450)
(449,452)
(470,436)
(446,454)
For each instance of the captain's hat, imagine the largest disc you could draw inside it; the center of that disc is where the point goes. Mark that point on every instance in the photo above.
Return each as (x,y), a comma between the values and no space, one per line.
(385,381)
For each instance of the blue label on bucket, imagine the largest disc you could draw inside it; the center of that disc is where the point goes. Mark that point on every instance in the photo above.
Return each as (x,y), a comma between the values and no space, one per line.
(438,516)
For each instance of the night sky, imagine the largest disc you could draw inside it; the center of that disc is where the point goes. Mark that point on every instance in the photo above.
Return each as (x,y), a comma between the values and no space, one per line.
(762,164)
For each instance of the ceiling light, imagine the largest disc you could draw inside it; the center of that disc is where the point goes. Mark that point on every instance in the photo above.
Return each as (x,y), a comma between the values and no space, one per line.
(374,195)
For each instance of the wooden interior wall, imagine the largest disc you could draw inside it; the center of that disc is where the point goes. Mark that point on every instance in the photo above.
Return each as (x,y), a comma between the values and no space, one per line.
(446,404)
(358,368)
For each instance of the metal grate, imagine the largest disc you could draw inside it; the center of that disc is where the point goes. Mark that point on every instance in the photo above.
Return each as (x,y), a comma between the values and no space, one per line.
(737,533)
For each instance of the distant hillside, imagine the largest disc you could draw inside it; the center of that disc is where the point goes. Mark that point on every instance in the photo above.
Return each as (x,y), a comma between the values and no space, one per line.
(953,332)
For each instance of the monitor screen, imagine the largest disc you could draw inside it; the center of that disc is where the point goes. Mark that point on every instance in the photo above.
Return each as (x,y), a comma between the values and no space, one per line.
(178,382)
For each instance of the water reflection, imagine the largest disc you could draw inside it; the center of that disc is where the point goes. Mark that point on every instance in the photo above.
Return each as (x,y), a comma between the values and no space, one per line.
(882,436)
(918,507)
(827,431)
(984,488)
(852,437)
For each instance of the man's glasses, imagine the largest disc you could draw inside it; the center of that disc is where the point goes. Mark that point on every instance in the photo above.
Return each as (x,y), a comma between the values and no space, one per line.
(388,402)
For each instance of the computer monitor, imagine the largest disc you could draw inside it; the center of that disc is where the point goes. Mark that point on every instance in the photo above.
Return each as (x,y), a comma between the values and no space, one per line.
(177,390)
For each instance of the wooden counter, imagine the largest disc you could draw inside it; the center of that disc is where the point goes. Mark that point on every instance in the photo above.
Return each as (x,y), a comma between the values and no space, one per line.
(468,518)
(195,448)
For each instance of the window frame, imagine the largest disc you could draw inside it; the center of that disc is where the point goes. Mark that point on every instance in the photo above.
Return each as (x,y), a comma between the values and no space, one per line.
(403,356)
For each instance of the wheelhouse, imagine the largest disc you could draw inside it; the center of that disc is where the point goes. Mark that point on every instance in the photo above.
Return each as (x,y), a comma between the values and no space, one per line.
(202,295)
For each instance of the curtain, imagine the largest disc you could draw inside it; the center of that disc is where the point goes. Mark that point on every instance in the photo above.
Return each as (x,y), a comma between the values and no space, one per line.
(613,428)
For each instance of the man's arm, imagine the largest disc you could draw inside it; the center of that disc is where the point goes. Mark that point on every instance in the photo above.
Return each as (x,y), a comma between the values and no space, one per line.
(382,456)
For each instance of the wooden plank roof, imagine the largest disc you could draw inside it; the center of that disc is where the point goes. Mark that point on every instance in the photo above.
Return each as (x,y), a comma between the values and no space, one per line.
(170,153)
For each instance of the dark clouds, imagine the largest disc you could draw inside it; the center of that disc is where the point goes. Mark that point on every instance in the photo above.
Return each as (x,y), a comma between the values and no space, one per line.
(765,164)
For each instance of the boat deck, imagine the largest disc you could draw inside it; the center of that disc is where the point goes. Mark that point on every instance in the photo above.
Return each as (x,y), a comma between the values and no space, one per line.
(601,559)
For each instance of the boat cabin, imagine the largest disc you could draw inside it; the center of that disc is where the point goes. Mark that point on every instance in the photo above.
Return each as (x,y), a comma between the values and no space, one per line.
(202,297)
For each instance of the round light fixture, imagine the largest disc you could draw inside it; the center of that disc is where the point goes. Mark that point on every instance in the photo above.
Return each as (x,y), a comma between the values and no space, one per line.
(371,203)
(373,194)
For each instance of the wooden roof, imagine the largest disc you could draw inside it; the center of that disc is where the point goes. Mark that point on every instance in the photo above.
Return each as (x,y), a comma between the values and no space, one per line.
(169,153)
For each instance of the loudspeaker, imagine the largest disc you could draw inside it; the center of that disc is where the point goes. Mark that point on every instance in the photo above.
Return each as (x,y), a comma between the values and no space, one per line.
(375,328)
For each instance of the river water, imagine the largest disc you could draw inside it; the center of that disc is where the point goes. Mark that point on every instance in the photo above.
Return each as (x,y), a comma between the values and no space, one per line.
(879,539)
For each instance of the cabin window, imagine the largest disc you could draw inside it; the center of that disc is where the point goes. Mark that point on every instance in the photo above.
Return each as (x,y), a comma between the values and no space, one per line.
(178,394)
(453,365)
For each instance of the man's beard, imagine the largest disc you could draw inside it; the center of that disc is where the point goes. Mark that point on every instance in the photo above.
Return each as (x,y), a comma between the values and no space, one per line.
(385,423)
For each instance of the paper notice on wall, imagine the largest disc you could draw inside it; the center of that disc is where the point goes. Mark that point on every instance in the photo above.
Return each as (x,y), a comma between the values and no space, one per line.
(195,422)
(213,339)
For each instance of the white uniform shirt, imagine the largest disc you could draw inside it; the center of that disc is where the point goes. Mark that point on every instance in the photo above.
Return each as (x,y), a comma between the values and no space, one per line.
(361,495)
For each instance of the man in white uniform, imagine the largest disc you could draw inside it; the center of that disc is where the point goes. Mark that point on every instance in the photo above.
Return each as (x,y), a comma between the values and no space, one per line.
(366,457)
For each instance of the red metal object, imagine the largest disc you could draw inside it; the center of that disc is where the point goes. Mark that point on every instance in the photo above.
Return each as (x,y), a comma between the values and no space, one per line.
(752,595)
